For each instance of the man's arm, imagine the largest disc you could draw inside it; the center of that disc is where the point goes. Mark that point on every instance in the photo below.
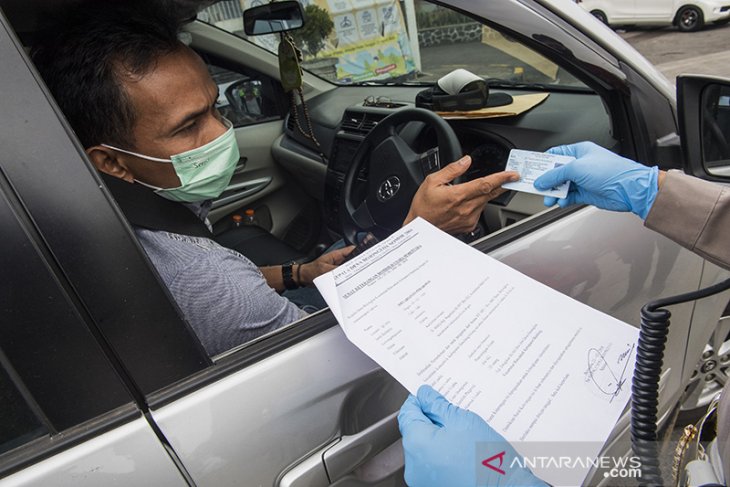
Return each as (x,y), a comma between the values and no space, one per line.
(452,208)
(304,274)
(456,208)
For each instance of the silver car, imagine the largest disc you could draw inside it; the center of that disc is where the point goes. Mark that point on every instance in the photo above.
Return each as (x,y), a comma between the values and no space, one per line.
(103,382)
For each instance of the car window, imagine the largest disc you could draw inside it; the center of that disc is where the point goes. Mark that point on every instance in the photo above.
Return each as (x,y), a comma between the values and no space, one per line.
(53,374)
(244,99)
(380,41)
(18,423)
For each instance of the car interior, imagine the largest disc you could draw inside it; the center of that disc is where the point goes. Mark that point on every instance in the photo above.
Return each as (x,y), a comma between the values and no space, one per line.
(310,172)
(299,190)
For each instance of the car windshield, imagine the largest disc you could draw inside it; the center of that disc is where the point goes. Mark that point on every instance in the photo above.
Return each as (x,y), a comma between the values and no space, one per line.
(356,42)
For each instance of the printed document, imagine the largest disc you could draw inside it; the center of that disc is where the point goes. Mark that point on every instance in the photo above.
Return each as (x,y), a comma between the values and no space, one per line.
(537,365)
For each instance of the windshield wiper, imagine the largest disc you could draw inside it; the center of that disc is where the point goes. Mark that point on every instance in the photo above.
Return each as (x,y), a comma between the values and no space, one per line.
(393,83)
(375,83)
(503,83)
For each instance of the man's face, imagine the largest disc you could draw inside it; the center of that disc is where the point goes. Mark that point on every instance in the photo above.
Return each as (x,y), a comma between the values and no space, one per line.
(175,112)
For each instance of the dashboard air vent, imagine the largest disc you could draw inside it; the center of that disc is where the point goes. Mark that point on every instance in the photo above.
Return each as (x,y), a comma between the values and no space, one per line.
(359,123)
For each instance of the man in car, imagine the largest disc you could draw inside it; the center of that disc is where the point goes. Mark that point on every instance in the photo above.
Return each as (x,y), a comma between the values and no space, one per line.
(143,105)
(442,442)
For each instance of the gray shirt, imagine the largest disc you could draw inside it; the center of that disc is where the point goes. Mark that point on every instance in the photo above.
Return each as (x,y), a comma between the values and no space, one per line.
(221,293)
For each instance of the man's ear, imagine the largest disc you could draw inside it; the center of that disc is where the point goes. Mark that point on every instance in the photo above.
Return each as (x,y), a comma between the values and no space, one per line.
(105,160)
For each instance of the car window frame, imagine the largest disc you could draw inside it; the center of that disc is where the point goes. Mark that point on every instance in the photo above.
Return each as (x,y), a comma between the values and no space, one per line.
(53,191)
(64,218)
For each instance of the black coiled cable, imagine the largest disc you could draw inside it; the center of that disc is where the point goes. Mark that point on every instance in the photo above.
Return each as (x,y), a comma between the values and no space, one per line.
(647,371)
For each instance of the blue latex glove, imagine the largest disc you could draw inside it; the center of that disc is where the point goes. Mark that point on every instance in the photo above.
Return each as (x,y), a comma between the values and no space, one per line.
(445,445)
(603,179)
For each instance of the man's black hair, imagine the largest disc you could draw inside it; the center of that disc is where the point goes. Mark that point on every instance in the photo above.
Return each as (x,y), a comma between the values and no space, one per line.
(85,56)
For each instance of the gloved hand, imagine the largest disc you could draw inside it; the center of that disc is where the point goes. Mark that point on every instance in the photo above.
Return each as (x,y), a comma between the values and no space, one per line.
(445,445)
(602,179)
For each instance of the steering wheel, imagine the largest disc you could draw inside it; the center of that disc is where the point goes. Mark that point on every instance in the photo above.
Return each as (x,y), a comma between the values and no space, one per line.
(395,172)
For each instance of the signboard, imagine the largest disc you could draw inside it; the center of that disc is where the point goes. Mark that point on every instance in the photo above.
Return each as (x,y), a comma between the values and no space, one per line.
(369,40)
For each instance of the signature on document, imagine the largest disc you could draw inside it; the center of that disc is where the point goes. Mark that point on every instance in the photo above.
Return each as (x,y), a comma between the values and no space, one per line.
(608,376)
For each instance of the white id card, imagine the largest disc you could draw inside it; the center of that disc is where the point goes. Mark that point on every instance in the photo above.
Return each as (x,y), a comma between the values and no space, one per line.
(531,165)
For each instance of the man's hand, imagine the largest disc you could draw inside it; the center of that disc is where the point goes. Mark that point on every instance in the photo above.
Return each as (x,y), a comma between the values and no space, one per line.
(446,445)
(456,208)
(324,263)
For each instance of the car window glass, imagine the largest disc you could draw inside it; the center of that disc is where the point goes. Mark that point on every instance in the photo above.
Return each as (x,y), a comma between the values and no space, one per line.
(715,127)
(376,41)
(243,99)
(18,424)
(45,343)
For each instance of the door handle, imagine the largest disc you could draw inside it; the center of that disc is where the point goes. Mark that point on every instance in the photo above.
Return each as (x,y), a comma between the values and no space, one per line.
(353,450)
(308,473)
(241,166)
(343,455)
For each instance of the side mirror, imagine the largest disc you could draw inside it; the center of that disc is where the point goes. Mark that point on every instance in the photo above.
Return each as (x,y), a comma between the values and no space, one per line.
(704,125)
(272,18)
(245,97)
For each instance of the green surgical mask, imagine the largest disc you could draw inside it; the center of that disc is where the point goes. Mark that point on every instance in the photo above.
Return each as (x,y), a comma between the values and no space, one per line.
(204,172)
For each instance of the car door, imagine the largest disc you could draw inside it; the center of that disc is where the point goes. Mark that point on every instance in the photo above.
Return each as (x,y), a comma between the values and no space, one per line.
(654,11)
(624,10)
(69,414)
(303,406)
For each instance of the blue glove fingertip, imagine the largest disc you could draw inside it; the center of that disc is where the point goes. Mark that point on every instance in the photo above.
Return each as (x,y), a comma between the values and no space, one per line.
(435,406)
(564,202)
(549,200)
(427,394)
(411,417)
(559,150)
(410,411)
(552,178)
(410,403)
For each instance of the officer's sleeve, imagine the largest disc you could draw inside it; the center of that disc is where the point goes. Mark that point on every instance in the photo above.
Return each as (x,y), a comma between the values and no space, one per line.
(695,214)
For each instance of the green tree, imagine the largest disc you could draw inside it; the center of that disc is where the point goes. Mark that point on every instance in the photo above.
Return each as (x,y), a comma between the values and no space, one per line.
(317,26)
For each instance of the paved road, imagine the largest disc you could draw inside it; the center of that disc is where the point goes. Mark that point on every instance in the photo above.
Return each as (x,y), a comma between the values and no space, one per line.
(673,52)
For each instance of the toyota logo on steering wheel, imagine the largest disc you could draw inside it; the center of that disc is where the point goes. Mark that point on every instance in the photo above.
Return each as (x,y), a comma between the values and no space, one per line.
(388,189)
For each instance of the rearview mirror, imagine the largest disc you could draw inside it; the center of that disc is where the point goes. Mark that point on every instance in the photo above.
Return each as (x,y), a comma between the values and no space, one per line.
(704,119)
(272,18)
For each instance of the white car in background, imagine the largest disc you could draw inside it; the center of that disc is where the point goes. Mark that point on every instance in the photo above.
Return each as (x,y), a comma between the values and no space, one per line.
(687,16)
